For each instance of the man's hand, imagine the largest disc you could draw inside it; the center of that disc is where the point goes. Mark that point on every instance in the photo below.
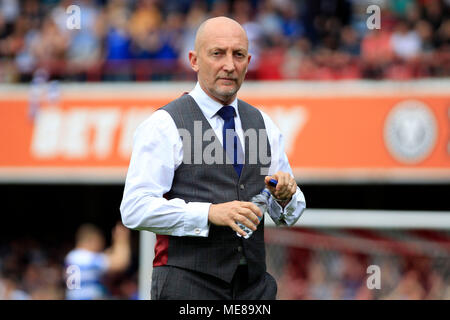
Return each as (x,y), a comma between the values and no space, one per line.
(286,186)
(228,213)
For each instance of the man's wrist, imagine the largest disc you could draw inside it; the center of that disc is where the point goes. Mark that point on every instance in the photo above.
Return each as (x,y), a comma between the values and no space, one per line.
(283,202)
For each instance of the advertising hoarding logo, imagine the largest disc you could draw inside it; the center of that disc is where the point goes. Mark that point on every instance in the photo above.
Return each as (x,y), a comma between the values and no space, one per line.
(410,131)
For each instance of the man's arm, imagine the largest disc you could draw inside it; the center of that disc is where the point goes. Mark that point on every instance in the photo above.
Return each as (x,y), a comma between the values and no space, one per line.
(118,254)
(157,152)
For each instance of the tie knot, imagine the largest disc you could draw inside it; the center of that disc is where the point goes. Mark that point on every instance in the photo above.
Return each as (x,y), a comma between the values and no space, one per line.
(226,112)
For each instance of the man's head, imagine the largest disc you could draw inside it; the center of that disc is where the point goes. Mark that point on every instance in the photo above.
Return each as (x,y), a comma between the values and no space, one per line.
(220,58)
(89,237)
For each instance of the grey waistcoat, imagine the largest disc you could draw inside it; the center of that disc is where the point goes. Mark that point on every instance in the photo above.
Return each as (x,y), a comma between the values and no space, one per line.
(194,180)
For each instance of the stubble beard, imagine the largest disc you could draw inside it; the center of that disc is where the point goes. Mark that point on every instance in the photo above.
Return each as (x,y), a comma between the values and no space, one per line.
(225,94)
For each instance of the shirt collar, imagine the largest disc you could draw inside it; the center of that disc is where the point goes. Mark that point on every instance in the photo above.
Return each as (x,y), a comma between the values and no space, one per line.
(207,104)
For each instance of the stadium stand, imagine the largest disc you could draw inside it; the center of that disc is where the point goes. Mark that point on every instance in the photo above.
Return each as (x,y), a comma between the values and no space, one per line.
(149,39)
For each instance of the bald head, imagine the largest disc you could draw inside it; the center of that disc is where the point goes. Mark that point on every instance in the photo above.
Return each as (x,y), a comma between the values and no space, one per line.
(216,27)
(220,58)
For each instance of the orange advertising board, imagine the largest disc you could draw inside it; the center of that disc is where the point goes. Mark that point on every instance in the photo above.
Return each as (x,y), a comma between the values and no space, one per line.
(361,135)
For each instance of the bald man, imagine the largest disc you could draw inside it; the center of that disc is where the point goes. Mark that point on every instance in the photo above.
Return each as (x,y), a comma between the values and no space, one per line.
(196,163)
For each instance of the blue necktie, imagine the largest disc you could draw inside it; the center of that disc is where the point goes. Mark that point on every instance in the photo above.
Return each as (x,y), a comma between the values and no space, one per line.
(227,113)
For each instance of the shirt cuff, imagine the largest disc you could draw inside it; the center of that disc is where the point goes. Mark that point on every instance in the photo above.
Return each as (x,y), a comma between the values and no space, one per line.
(276,211)
(287,215)
(196,219)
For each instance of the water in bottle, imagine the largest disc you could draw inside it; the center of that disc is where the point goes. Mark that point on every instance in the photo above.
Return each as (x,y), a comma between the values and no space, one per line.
(261,200)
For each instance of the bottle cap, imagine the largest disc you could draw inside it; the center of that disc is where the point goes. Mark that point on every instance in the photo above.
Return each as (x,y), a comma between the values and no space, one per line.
(273,182)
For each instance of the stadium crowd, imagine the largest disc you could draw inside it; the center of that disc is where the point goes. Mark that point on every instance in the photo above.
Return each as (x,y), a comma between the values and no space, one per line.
(30,269)
(144,40)
(342,275)
(33,269)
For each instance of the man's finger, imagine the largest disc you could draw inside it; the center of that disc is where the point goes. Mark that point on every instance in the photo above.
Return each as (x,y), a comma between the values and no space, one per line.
(294,188)
(279,177)
(246,218)
(282,182)
(246,222)
(249,215)
(236,228)
(253,207)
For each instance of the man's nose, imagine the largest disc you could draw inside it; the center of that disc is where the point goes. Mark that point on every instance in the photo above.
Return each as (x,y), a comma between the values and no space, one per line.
(229,63)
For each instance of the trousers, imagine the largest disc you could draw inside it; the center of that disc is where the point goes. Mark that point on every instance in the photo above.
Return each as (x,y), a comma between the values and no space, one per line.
(174,283)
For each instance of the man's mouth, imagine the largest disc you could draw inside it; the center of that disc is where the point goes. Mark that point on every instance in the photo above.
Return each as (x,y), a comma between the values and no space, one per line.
(227,79)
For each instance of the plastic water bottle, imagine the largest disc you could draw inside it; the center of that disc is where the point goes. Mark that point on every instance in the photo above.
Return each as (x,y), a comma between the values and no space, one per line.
(262,202)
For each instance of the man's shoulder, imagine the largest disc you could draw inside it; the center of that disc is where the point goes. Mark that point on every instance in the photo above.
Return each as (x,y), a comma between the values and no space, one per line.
(245,103)
(248,108)
(178,102)
(83,256)
(252,111)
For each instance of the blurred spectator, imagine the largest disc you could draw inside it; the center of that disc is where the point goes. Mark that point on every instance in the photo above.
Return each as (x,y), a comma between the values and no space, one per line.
(17,47)
(9,11)
(425,32)
(220,8)
(242,13)
(146,17)
(409,288)
(150,39)
(9,289)
(94,262)
(32,269)
(118,38)
(195,16)
(170,38)
(405,42)
(376,53)
(85,45)
(269,19)
(144,25)
(293,283)
(320,288)
(443,36)
(350,43)
(376,47)
(353,275)
(49,44)
(291,25)
(435,12)
(330,275)
(296,59)
(29,273)
(400,7)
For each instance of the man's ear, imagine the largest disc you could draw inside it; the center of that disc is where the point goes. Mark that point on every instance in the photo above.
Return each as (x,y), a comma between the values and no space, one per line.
(193,60)
(248,62)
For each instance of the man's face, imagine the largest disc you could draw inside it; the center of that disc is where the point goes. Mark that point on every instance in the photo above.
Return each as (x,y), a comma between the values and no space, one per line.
(221,62)
(98,243)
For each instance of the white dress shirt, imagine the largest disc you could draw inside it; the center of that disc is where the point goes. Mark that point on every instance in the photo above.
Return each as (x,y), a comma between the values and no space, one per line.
(157,153)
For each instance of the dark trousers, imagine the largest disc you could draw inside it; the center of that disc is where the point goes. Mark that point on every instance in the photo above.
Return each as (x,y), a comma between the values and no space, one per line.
(173,283)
